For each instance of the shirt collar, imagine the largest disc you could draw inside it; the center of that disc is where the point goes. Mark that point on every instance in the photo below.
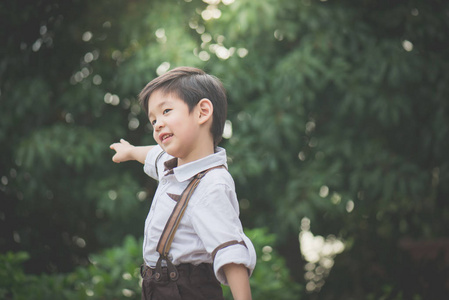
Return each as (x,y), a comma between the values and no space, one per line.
(187,171)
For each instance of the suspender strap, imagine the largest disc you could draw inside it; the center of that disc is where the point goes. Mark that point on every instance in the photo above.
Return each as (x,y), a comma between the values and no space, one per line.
(172,224)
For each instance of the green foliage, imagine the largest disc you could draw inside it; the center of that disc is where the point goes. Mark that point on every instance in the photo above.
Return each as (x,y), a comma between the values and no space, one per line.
(271,278)
(11,273)
(115,274)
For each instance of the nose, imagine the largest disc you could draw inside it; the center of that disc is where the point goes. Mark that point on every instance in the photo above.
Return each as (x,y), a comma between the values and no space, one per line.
(159,124)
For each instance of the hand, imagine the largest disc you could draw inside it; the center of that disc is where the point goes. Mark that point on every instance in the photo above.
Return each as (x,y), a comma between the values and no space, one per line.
(123,151)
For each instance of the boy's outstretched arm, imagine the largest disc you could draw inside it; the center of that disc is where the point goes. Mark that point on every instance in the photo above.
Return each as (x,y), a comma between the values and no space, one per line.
(125,152)
(238,280)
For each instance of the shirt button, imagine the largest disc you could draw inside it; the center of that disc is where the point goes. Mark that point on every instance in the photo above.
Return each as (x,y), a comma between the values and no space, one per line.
(164,181)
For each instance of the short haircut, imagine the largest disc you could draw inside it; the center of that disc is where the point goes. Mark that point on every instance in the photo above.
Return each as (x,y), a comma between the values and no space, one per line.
(191,85)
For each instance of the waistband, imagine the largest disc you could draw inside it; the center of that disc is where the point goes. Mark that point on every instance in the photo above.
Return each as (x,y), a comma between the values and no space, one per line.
(185,269)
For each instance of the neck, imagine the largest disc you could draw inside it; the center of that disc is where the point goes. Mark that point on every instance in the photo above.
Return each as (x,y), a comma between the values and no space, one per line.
(202,150)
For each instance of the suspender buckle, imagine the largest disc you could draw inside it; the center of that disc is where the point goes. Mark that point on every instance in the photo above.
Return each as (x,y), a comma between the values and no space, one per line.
(171,269)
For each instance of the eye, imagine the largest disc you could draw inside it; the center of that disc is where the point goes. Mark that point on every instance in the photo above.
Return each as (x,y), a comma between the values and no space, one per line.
(166,111)
(153,122)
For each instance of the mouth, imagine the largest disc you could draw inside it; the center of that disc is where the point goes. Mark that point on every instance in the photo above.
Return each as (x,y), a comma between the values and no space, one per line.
(163,137)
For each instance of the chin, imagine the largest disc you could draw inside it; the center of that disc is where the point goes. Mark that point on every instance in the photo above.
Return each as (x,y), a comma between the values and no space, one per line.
(170,152)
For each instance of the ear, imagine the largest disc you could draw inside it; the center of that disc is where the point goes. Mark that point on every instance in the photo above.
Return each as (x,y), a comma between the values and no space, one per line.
(205,110)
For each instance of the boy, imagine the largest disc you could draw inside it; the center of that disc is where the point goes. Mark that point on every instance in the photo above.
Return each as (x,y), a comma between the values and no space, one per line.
(187,109)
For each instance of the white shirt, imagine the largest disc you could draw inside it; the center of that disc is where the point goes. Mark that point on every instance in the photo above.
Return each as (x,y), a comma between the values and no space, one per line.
(210,220)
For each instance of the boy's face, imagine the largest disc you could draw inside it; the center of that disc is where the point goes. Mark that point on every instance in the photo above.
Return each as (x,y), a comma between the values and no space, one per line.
(175,128)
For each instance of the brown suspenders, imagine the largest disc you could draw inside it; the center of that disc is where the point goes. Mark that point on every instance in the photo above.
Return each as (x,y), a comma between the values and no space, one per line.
(172,224)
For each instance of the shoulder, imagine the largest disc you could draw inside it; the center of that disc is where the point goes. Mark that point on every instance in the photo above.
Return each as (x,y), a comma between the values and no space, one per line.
(216,185)
(154,162)
(216,177)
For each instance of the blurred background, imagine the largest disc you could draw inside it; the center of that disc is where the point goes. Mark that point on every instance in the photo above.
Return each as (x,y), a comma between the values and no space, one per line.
(337,136)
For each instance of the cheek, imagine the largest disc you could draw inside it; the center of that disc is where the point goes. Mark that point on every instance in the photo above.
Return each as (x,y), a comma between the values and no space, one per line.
(154,135)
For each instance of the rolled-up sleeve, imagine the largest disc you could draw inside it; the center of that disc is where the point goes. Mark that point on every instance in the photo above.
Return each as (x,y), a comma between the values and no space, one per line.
(215,218)
(237,254)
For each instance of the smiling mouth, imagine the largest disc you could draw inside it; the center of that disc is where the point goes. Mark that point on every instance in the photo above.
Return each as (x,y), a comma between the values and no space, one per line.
(166,136)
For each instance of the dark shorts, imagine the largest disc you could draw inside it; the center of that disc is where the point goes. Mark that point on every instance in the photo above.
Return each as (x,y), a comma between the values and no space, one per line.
(194,283)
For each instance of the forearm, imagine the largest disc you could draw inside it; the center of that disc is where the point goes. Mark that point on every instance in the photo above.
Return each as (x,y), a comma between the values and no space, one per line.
(238,280)
(125,152)
(139,153)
